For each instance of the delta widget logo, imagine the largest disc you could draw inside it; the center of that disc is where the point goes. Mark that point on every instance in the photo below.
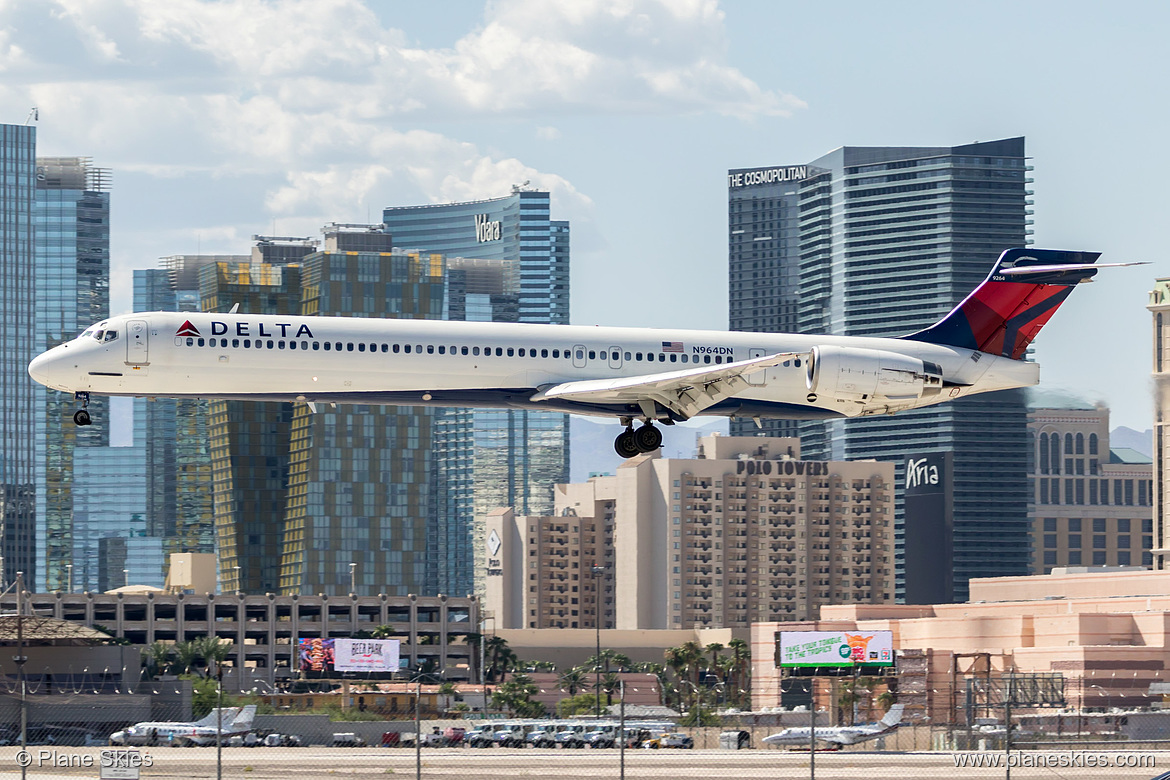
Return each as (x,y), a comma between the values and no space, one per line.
(187,329)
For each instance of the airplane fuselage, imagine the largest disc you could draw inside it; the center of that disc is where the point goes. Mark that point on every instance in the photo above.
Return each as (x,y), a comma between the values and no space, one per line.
(444,363)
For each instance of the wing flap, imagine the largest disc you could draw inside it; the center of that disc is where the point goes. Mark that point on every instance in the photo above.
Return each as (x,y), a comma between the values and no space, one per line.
(685,393)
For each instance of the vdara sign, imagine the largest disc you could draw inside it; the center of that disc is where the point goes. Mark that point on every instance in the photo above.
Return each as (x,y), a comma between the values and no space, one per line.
(486,231)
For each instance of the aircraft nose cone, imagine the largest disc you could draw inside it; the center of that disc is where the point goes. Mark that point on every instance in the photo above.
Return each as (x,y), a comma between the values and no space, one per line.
(38,369)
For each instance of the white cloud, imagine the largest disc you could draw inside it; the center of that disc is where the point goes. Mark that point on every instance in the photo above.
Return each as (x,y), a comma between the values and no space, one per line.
(328,108)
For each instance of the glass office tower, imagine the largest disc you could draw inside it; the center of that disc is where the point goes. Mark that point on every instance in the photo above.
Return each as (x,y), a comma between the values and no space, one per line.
(173,433)
(360,477)
(883,241)
(72,224)
(18,426)
(109,501)
(497,457)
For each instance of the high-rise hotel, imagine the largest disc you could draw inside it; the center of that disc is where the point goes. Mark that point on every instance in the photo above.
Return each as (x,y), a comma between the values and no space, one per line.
(883,241)
(488,458)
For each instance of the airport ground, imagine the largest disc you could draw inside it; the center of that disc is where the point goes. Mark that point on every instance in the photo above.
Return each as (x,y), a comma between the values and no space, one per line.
(443,764)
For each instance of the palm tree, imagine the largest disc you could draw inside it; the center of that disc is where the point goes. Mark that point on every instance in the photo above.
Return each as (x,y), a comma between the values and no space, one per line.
(715,648)
(622,662)
(573,680)
(500,657)
(610,683)
(384,631)
(186,654)
(156,659)
(214,652)
(741,654)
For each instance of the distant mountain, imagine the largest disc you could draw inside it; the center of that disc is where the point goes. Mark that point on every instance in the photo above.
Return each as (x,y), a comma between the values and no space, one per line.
(1142,441)
(592,442)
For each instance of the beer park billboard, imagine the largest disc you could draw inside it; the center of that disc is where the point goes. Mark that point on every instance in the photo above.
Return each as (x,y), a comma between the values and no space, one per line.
(349,655)
(835,648)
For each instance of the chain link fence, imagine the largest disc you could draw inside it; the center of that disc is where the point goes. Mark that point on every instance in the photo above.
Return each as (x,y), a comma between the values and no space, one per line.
(71,725)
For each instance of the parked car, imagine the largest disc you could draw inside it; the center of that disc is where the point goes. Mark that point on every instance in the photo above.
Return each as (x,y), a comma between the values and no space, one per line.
(347,739)
(670,739)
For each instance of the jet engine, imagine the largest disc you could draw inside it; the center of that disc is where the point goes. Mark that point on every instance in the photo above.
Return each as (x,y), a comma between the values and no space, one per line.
(862,375)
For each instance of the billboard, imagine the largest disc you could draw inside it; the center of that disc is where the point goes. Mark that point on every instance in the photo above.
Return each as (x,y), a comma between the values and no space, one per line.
(835,648)
(365,655)
(348,655)
(928,529)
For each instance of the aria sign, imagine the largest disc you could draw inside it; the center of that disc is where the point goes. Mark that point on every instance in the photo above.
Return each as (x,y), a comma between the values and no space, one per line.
(486,231)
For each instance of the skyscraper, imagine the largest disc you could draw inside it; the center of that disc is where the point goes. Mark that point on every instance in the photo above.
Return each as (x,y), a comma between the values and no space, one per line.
(360,477)
(72,225)
(882,241)
(173,432)
(17,347)
(496,457)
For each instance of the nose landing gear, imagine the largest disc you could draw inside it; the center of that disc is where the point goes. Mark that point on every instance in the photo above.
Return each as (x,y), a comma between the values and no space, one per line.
(631,441)
(81,416)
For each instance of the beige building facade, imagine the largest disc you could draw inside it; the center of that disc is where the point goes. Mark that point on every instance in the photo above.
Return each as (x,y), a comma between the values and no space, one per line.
(1107,632)
(1159,307)
(745,531)
(1091,505)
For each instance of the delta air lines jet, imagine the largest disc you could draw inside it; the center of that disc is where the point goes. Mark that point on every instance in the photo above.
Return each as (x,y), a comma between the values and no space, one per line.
(633,374)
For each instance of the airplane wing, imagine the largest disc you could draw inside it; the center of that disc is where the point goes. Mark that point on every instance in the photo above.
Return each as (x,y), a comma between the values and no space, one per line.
(686,392)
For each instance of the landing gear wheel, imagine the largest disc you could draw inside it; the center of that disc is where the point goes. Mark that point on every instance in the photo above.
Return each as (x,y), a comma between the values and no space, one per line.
(625,445)
(647,438)
(81,417)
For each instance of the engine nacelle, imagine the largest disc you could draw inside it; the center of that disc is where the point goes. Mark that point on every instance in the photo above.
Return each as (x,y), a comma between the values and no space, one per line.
(864,375)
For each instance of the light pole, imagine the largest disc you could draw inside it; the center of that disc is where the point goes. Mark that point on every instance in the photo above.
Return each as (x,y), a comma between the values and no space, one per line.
(597,571)
(69,582)
(352,578)
(125,578)
(236,574)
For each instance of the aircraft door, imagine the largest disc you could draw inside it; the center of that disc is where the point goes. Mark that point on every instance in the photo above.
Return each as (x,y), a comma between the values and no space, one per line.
(756,379)
(615,357)
(137,342)
(579,356)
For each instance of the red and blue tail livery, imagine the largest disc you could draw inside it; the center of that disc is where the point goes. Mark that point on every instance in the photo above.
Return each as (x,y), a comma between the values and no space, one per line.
(1003,314)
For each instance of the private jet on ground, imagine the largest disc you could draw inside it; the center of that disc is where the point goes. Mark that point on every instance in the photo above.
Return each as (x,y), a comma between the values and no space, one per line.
(655,376)
(839,736)
(235,721)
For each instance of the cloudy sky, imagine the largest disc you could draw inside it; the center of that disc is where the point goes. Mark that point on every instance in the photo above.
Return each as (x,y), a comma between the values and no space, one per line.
(220,120)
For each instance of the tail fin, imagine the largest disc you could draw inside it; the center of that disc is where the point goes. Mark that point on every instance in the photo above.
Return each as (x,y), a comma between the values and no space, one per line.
(212,719)
(1004,313)
(243,721)
(893,717)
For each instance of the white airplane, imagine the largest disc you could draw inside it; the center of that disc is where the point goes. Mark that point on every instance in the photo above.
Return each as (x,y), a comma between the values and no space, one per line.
(656,376)
(839,735)
(235,720)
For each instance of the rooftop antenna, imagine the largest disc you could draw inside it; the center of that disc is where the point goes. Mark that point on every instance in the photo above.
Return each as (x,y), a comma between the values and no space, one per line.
(33,116)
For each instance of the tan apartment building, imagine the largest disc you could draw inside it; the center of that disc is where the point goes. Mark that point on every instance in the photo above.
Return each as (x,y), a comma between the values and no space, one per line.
(1091,505)
(745,531)
(1159,307)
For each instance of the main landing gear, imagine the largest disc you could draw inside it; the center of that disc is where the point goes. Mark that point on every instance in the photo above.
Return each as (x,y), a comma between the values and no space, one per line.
(631,441)
(81,416)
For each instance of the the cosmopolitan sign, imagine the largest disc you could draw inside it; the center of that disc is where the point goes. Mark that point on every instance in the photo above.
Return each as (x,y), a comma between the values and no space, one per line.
(365,655)
(836,648)
(760,176)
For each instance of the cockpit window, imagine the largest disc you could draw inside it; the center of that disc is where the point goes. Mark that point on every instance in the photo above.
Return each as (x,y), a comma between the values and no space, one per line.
(86,332)
(98,334)
(110,335)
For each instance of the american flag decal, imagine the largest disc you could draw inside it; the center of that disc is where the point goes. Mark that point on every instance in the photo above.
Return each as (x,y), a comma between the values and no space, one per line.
(672,346)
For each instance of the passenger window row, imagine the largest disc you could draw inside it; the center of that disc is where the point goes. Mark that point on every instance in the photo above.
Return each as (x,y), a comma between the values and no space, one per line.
(442,349)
